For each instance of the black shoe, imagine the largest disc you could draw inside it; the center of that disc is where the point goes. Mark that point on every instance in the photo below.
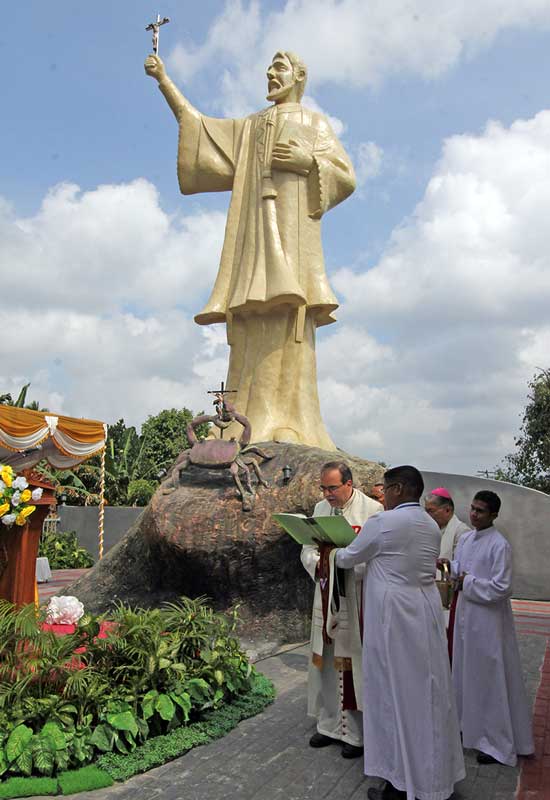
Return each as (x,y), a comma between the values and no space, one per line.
(485,758)
(320,740)
(351,750)
(389,792)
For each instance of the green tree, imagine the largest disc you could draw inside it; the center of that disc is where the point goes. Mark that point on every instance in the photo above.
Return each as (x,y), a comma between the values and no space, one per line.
(75,483)
(163,439)
(529,465)
(123,456)
(140,492)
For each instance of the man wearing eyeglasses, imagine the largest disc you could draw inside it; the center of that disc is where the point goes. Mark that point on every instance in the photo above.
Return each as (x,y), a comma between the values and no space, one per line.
(335,675)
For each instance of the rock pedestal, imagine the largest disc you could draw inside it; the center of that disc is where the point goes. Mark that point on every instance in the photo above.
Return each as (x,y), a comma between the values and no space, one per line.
(194,539)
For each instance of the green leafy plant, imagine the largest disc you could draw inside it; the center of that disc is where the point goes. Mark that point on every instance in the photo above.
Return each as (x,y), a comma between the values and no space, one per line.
(65,700)
(63,551)
(140,492)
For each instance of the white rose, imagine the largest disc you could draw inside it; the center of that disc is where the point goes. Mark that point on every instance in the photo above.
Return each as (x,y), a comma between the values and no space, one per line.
(2,486)
(15,499)
(8,519)
(36,494)
(64,610)
(20,483)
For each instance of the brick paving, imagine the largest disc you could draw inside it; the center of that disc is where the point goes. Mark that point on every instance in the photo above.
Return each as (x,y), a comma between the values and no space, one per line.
(535,773)
(61,578)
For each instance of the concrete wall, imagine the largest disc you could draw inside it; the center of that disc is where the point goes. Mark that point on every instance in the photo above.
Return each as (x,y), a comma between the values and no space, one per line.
(524,519)
(84,520)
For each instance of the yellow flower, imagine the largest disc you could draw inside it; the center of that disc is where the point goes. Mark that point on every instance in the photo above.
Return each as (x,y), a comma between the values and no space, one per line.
(27,511)
(20,520)
(6,476)
(25,496)
(4,508)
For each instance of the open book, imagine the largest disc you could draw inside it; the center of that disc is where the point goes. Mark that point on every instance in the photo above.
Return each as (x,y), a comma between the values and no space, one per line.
(304,530)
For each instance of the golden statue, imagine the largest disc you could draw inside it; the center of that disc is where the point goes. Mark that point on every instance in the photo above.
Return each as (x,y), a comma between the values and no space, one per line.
(285,168)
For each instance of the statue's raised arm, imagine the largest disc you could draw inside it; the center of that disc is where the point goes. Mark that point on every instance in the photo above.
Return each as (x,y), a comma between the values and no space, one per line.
(154,66)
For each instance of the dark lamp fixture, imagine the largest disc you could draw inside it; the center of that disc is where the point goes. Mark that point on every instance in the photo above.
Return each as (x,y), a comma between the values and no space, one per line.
(287,473)
(63,498)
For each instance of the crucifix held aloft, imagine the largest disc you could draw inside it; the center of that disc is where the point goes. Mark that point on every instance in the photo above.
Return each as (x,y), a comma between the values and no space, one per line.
(219,402)
(155,26)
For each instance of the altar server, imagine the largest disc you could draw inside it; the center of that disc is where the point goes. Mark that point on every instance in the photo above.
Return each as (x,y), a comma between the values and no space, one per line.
(410,723)
(492,704)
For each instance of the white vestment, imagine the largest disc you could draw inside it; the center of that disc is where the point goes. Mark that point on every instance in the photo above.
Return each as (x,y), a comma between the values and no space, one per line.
(492,703)
(411,733)
(450,535)
(325,682)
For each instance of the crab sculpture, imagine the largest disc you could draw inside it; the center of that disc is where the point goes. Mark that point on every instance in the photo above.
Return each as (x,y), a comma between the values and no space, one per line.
(238,456)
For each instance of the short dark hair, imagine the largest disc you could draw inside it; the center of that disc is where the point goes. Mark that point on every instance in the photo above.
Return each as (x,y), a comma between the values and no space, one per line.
(490,498)
(342,467)
(408,476)
(440,501)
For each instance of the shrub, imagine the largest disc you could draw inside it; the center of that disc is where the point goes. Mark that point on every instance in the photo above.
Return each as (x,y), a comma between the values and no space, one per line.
(63,551)
(140,492)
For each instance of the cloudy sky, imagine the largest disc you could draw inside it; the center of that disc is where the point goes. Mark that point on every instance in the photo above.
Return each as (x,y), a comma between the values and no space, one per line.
(441,259)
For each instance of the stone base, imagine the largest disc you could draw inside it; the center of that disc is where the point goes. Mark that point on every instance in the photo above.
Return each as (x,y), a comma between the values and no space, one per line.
(194,539)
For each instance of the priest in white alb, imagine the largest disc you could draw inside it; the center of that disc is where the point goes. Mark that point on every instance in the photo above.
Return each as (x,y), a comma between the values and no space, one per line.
(335,676)
(493,709)
(411,734)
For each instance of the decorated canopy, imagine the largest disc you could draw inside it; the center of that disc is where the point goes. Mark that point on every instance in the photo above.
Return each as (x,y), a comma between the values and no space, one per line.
(27,437)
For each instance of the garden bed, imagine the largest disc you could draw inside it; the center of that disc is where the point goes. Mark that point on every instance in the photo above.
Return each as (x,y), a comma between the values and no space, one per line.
(155,685)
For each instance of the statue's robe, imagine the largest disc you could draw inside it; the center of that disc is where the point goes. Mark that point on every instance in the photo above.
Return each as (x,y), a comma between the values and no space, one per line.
(333,665)
(271,289)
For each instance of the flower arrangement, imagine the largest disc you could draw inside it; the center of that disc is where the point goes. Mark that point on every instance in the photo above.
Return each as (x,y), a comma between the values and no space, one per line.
(15,496)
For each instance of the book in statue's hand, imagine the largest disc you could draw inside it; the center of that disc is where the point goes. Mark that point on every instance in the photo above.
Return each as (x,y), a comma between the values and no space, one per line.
(310,530)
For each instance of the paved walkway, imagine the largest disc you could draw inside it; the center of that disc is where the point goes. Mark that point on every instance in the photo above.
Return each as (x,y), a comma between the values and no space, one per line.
(61,578)
(268,758)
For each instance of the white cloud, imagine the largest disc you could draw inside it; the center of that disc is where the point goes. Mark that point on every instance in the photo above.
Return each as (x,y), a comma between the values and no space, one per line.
(85,365)
(350,42)
(368,162)
(106,248)
(102,286)
(460,298)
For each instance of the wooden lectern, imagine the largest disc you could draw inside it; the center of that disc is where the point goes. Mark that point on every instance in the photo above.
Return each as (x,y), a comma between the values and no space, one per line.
(19,547)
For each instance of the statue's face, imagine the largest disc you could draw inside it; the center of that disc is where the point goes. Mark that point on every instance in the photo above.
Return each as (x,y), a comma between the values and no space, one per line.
(281,81)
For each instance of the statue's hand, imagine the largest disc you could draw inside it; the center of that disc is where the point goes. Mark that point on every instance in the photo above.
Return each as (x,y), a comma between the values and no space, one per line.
(291,157)
(155,67)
